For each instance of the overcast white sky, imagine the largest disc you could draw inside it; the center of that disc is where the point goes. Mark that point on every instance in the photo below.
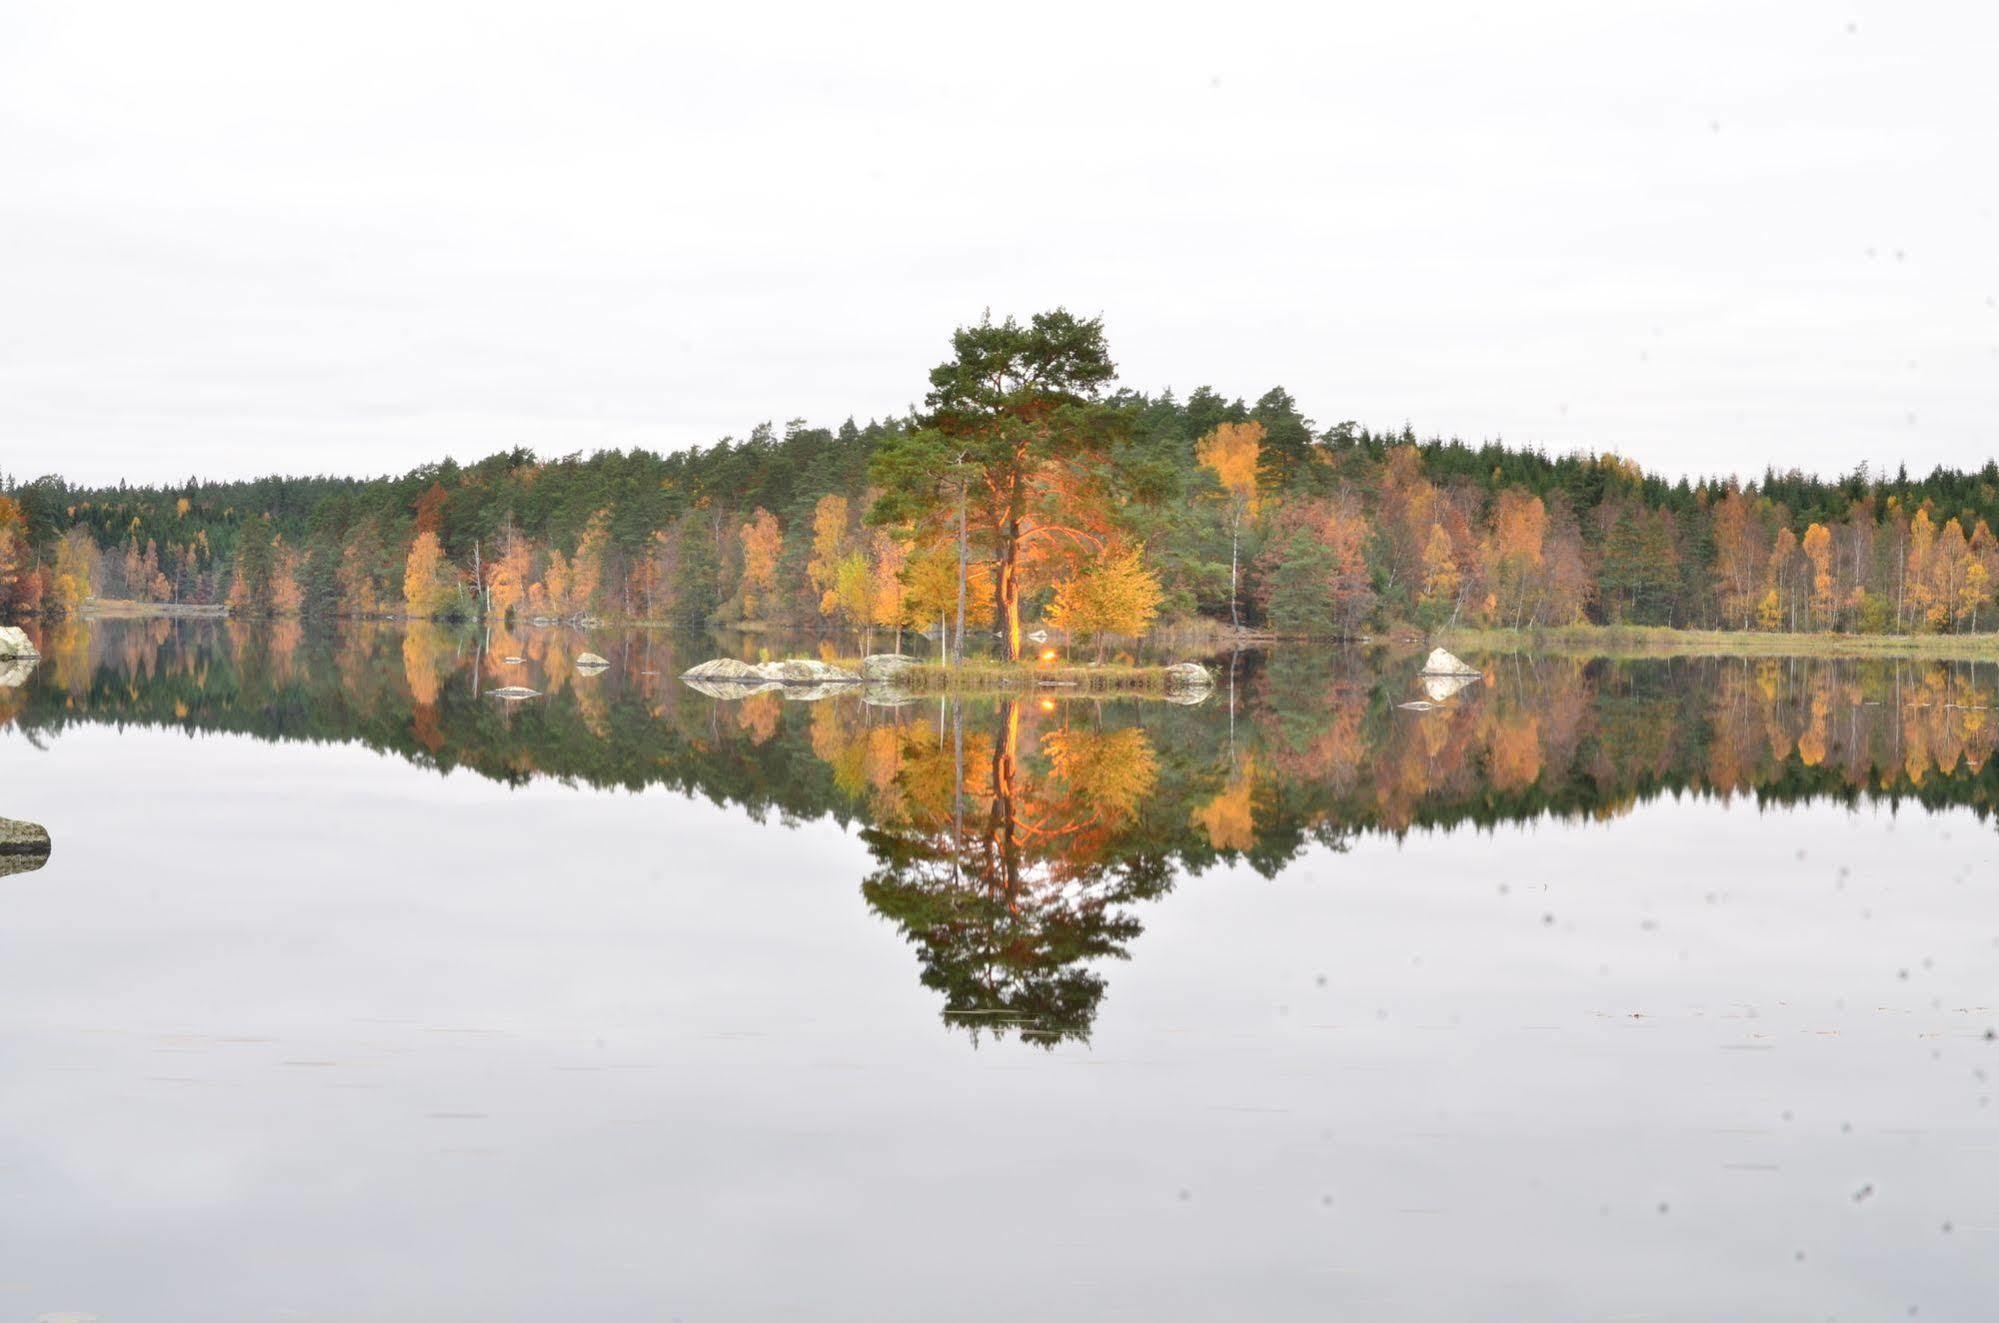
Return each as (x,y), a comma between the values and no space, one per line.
(237,238)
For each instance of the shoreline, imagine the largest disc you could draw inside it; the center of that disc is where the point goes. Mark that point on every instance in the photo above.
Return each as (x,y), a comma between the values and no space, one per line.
(1609,641)
(1619,641)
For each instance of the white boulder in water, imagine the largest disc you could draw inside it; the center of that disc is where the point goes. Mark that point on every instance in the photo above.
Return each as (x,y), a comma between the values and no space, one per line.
(513,693)
(590,661)
(1188,676)
(14,645)
(1441,662)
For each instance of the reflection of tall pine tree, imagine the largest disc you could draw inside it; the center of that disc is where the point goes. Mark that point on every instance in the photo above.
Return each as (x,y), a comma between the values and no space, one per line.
(1010,897)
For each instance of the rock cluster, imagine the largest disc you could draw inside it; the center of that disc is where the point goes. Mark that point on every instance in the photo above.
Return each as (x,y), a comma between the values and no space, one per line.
(797,678)
(797,670)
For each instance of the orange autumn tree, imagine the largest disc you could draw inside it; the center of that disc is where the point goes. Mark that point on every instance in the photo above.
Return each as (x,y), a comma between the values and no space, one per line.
(13,548)
(1948,570)
(1740,543)
(763,543)
(1232,452)
(1922,609)
(1825,592)
(508,573)
(887,559)
(568,586)
(1512,552)
(1980,572)
(287,587)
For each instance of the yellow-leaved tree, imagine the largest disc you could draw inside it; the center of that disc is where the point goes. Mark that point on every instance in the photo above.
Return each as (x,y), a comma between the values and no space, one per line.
(1118,595)
(427,579)
(930,590)
(1232,452)
(1442,579)
(77,560)
(829,548)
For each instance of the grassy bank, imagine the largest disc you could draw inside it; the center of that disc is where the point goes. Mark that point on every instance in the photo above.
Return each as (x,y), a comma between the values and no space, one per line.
(978,676)
(1658,641)
(114,608)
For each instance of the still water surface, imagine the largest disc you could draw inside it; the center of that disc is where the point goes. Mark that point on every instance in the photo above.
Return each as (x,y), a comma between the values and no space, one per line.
(1643,990)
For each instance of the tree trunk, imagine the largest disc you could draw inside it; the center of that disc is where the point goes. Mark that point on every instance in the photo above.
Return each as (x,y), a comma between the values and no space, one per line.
(958,647)
(1235,539)
(1007,590)
(957,789)
(1003,818)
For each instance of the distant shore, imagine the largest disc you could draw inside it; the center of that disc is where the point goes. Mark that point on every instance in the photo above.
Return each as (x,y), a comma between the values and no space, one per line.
(113,608)
(1660,641)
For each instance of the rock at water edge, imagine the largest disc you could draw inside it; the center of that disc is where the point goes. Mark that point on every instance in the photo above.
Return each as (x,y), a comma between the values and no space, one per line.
(885,665)
(14,645)
(1440,662)
(723,668)
(802,671)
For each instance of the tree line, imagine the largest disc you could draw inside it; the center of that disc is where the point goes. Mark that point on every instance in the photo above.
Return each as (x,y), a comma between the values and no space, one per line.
(1030,487)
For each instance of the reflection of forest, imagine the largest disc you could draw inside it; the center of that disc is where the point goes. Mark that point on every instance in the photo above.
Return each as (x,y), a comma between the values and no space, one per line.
(1013,839)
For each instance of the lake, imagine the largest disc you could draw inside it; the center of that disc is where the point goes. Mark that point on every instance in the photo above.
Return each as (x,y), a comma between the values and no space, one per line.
(1660,990)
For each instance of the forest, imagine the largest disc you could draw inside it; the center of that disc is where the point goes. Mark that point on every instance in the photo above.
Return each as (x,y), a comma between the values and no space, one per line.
(1031,487)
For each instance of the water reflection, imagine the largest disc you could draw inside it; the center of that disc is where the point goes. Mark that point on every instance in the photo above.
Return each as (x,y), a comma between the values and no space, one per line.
(1015,843)
(1010,873)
